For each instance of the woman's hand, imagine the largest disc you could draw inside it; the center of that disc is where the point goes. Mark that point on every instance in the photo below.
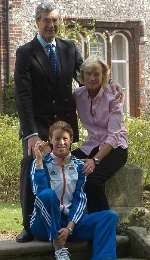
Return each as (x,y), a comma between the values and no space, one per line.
(117,91)
(63,235)
(40,149)
(89,166)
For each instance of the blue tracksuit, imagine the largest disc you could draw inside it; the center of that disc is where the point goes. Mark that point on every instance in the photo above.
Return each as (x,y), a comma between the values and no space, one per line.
(60,198)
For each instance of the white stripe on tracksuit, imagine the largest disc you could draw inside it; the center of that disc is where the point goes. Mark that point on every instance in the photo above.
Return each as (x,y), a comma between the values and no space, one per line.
(81,206)
(33,217)
(34,186)
(44,212)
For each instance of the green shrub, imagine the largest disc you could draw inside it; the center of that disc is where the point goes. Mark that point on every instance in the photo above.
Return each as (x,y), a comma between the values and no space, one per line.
(10,156)
(11,152)
(139,144)
(9,98)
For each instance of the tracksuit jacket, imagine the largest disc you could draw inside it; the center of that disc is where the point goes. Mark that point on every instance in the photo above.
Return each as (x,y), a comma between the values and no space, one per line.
(67,182)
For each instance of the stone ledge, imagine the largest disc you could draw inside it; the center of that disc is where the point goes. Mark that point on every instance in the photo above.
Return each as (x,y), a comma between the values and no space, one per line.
(11,250)
(124,189)
(11,247)
(139,242)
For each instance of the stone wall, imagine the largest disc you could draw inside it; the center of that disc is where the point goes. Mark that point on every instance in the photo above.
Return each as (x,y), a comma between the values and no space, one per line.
(21,16)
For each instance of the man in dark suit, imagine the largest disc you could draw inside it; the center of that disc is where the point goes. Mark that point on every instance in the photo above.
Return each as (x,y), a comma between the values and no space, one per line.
(45,68)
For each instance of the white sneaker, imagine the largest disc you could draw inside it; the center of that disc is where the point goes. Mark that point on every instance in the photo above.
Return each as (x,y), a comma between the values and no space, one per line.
(62,254)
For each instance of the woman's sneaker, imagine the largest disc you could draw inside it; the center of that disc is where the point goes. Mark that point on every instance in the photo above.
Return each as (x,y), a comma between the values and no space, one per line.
(62,254)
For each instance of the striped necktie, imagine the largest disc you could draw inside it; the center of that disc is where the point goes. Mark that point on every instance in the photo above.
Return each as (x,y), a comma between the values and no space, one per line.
(52,58)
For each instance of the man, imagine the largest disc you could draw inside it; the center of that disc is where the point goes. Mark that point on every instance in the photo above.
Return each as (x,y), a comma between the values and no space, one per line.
(44,71)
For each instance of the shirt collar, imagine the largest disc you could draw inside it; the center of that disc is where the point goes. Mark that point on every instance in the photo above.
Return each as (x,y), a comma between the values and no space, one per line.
(99,94)
(44,43)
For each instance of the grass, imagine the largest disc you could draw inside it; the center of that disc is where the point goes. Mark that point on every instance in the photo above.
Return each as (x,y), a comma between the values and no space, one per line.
(10,218)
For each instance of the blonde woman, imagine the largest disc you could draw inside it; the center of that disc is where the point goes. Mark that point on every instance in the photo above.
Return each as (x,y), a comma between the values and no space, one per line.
(102,116)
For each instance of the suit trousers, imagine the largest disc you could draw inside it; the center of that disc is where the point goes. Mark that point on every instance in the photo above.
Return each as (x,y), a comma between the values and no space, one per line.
(26,194)
(98,227)
(95,185)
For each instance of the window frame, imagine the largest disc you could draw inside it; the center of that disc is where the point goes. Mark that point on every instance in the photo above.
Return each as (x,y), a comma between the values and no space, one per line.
(123,61)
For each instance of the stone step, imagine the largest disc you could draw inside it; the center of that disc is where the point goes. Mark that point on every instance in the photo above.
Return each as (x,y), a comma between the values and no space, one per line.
(139,242)
(11,250)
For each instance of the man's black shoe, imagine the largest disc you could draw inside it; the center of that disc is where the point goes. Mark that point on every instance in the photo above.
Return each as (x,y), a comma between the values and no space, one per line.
(24,236)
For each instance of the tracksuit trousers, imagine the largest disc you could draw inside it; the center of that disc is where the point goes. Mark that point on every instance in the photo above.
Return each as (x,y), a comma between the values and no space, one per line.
(99,227)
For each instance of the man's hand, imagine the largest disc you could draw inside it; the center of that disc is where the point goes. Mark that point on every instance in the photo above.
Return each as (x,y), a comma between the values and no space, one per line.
(117,90)
(31,144)
(89,166)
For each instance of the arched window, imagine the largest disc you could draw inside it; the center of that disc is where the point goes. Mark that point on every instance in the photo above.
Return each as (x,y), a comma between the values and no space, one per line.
(120,65)
(97,46)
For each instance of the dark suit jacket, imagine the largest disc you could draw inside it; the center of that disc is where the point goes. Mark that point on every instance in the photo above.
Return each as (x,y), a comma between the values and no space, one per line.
(42,98)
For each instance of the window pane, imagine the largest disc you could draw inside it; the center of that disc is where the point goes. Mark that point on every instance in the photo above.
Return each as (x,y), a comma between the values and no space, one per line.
(119,48)
(120,75)
(97,47)
(80,45)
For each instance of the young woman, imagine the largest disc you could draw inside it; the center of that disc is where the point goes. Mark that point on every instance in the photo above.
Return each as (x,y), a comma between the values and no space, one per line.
(102,116)
(59,210)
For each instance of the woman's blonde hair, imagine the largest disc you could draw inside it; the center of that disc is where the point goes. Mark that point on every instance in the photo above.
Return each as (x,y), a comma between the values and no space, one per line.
(91,62)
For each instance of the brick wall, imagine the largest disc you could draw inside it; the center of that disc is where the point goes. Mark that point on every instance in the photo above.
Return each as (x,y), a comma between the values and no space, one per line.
(3,49)
(4,41)
(10,32)
(15,31)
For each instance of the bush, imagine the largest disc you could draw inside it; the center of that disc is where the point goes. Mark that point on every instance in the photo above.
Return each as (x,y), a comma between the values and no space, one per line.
(10,156)
(9,98)
(11,152)
(139,144)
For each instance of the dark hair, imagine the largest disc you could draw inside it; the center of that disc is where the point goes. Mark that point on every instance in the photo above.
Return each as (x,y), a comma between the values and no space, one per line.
(60,125)
(42,8)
